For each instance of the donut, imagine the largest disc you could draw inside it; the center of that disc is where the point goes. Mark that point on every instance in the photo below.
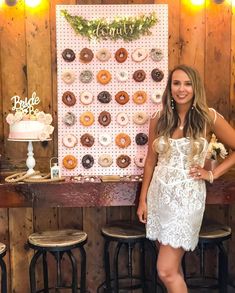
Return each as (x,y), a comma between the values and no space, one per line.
(104,97)
(69,98)
(87,161)
(122,119)
(104,139)
(105,160)
(86,97)
(139,97)
(69,162)
(69,119)
(86,76)
(139,160)
(86,55)
(87,118)
(68,55)
(123,161)
(139,55)
(140,118)
(156,54)
(122,75)
(122,98)
(157,75)
(87,140)
(139,75)
(104,118)
(121,55)
(141,138)
(68,76)
(123,140)
(156,97)
(103,55)
(69,140)
(104,76)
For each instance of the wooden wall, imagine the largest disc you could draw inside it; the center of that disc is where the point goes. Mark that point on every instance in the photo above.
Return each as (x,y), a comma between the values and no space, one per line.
(200,36)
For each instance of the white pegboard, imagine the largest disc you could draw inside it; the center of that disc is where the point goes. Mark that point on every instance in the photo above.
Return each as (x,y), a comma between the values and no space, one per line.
(66,38)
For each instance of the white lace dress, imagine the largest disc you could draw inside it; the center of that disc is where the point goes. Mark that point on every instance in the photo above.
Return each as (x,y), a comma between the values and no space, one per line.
(176,201)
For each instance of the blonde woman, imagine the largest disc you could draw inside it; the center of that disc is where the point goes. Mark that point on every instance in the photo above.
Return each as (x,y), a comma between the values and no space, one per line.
(172,199)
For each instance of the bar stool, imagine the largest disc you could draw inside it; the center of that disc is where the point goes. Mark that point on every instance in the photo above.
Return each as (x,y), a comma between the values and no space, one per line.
(212,235)
(130,236)
(58,243)
(3,268)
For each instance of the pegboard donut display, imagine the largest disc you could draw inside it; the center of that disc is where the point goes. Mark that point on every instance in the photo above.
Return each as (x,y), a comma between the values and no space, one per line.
(107,91)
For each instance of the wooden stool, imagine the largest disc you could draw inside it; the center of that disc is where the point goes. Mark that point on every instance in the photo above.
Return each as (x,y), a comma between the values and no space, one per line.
(3,268)
(212,234)
(58,243)
(128,235)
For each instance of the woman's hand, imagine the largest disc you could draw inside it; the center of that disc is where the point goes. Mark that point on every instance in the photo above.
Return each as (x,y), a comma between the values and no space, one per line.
(142,212)
(199,173)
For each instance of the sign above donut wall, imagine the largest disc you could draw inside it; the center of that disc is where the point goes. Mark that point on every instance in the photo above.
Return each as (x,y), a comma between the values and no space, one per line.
(112,70)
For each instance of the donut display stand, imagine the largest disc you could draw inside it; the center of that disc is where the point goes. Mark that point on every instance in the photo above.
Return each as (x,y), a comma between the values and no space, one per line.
(118,127)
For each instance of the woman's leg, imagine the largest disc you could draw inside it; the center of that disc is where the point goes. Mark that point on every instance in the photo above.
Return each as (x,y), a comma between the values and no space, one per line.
(169,268)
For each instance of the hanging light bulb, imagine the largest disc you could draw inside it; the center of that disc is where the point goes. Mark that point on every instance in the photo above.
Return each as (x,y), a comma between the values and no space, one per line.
(32,3)
(197,2)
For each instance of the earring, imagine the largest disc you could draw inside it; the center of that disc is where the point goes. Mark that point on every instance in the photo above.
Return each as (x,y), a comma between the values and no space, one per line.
(172,104)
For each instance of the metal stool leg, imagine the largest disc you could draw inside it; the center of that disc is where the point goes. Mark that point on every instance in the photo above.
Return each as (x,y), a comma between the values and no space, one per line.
(45,272)
(32,275)
(83,270)
(223,269)
(116,276)
(142,265)
(74,285)
(107,267)
(3,276)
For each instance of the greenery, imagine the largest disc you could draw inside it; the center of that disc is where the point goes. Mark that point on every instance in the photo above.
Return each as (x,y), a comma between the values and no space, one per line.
(125,28)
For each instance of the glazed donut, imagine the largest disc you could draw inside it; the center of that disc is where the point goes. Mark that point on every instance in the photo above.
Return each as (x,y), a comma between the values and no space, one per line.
(104,97)
(87,161)
(86,97)
(104,76)
(156,97)
(105,160)
(69,98)
(104,118)
(122,98)
(68,55)
(86,55)
(69,140)
(157,75)
(69,162)
(68,76)
(139,160)
(123,161)
(140,118)
(139,75)
(122,118)
(121,55)
(139,97)
(123,140)
(86,76)
(87,118)
(156,54)
(141,138)
(87,140)
(104,139)
(103,55)
(69,119)
(122,75)
(139,55)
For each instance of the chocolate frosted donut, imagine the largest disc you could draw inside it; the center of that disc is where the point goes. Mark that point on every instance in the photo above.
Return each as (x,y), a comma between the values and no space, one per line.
(157,74)
(69,119)
(123,161)
(121,55)
(68,55)
(104,118)
(104,97)
(139,75)
(86,55)
(86,76)
(87,161)
(69,98)
(87,140)
(141,138)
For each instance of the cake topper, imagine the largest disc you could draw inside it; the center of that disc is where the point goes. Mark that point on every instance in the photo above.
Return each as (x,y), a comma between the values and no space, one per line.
(27,105)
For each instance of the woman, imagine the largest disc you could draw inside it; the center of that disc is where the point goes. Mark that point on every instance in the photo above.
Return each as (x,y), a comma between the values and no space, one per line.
(172,199)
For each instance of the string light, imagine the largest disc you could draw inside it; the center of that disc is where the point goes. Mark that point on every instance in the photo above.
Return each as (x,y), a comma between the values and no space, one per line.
(197,2)
(32,3)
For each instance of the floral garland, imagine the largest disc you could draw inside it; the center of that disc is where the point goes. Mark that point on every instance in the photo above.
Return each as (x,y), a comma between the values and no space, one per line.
(126,28)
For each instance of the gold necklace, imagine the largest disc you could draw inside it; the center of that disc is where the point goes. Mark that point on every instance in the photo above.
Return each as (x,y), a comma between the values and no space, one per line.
(181,127)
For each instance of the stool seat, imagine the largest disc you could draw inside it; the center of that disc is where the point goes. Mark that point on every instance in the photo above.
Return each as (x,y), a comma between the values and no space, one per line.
(58,238)
(213,231)
(3,248)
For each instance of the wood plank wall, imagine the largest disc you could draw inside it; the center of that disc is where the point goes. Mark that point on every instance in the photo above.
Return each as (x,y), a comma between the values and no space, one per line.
(200,36)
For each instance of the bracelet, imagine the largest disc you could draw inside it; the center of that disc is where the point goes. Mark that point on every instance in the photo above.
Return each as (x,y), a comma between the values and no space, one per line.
(211,177)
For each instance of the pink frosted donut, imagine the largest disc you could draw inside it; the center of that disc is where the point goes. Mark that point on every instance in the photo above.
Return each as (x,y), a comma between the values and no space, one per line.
(122,118)
(86,98)
(139,55)
(139,160)
(69,140)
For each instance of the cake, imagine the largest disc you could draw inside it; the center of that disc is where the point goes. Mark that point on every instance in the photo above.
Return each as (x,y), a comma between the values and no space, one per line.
(28,123)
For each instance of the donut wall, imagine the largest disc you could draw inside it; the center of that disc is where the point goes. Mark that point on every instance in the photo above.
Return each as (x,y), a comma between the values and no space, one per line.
(108,92)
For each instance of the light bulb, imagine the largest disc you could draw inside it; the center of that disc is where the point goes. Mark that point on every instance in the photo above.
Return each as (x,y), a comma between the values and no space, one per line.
(32,3)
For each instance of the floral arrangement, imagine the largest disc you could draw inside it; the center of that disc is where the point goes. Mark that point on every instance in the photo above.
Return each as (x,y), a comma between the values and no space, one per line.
(125,28)
(216,149)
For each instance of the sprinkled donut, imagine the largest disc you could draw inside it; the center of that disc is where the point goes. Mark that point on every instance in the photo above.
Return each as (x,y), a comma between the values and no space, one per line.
(105,160)
(139,55)
(141,138)
(123,140)
(139,160)
(69,119)
(104,139)
(86,55)
(103,55)
(122,119)
(156,54)
(69,140)
(68,76)
(140,118)
(139,75)
(122,98)
(104,97)
(87,161)
(69,162)
(68,55)
(157,75)
(123,161)
(87,140)
(121,55)
(104,118)
(122,75)
(156,97)
(69,98)
(86,98)
(86,76)
(104,76)
(139,97)
(87,118)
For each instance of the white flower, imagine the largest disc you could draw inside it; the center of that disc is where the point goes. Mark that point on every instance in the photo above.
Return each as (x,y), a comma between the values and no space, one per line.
(10,119)
(41,116)
(48,129)
(48,119)
(43,136)
(18,115)
(216,148)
